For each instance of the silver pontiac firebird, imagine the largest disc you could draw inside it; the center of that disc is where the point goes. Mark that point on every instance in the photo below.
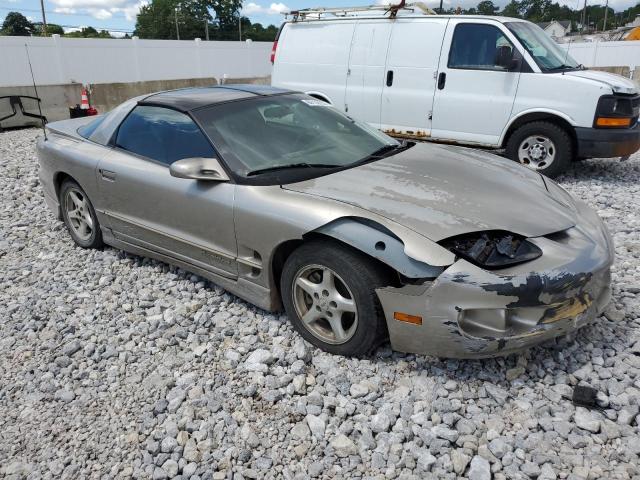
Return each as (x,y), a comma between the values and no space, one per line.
(288,203)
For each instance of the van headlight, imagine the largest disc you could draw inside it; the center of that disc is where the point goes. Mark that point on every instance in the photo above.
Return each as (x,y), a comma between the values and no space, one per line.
(492,249)
(616,111)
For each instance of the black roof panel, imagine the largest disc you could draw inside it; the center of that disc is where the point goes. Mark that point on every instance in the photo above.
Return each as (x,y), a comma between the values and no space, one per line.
(186,99)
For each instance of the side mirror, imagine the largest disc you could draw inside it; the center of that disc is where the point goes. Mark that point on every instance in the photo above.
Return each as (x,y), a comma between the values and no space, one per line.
(505,58)
(197,168)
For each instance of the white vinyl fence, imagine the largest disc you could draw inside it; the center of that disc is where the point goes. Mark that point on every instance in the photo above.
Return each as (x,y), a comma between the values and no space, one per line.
(58,60)
(606,54)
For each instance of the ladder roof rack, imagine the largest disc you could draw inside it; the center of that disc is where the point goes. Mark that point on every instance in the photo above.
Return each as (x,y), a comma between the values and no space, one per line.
(320,12)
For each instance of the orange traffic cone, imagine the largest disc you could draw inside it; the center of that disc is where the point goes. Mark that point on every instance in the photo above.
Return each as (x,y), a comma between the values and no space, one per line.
(84,103)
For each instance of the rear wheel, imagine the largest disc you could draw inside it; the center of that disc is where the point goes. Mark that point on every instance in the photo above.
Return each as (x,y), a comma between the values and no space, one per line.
(328,291)
(79,216)
(541,146)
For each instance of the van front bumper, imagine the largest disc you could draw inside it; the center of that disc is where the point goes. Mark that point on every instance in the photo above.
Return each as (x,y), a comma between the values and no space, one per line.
(607,143)
(469,312)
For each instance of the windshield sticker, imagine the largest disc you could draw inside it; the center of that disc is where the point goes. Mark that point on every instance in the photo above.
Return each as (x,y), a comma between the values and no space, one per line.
(316,103)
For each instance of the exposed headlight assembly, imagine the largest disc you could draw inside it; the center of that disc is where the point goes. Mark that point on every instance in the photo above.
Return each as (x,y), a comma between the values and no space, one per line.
(493,249)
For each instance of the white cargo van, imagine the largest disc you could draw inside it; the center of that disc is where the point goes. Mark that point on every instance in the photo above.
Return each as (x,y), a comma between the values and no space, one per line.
(491,82)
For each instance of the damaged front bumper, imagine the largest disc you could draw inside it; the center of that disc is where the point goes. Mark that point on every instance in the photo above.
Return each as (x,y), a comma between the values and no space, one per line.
(469,312)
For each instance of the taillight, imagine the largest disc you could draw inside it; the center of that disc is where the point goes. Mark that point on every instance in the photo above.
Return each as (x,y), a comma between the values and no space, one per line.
(273,51)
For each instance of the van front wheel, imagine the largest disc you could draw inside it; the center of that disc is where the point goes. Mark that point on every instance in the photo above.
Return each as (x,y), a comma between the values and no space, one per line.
(541,146)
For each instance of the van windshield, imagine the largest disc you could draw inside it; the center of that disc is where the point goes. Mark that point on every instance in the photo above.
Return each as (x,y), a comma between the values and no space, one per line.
(547,53)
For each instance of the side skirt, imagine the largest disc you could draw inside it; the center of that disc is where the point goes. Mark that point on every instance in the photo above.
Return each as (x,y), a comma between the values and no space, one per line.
(252,293)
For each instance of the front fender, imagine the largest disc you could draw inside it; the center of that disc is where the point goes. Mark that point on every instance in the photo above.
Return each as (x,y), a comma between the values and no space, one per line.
(380,243)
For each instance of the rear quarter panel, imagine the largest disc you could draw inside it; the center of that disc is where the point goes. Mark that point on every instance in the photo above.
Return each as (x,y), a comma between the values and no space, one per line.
(75,157)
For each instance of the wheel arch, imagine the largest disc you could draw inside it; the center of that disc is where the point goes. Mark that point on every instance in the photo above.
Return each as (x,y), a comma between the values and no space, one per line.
(367,237)
(557,118)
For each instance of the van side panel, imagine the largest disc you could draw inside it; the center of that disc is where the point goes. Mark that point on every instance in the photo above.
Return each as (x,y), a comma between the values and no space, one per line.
(314,57)
(366,72)
(413,58)
(549,92)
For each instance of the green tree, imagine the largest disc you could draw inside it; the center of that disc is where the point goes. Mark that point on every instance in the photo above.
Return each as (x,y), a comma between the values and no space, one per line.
(512,9)
(486,7)
(17,24)
(52,29)
(158,19)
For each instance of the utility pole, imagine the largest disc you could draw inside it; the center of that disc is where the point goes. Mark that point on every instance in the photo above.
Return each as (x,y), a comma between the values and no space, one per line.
(606,10)
(177,28)
(584,15)
(44,19)
(206,29)
(240,26)
(440,10)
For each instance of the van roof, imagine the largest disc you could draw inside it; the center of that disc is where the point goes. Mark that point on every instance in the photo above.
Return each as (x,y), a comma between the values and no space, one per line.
(373,16)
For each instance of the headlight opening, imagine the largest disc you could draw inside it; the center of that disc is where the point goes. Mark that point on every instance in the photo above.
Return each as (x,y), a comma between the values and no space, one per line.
(492,249)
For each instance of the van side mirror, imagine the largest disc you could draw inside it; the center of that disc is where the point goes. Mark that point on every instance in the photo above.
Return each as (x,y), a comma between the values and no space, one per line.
(505,58)
(198,168)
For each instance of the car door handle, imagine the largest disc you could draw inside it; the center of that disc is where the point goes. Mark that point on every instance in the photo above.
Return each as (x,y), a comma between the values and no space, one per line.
(389,78)
(442,79)
(107,175)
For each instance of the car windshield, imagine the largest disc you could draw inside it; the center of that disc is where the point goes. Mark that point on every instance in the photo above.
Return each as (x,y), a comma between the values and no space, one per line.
(260,136)
(547,53)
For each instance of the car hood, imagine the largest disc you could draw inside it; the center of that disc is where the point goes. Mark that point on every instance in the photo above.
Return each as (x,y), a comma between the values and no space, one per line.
(441,191)
(617,83)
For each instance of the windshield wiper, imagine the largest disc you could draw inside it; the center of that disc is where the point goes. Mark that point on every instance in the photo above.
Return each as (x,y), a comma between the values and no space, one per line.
(562,67)
(382,152)
(290,166)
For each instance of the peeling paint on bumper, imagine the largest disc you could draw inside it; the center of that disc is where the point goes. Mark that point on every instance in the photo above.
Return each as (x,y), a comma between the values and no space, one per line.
(469,312)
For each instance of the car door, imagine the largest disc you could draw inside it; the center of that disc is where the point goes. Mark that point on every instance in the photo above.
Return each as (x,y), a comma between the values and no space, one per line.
(474,96)
(366,70)
(189,220)
(409,81)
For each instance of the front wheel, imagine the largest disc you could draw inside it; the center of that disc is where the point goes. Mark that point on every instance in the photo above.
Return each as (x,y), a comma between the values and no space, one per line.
(328,291)
(541,146)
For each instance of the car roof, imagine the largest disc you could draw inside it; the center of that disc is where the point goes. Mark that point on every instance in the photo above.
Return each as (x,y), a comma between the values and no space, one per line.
(187,99)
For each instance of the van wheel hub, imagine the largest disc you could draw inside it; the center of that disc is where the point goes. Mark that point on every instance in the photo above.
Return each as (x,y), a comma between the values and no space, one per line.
(537,152)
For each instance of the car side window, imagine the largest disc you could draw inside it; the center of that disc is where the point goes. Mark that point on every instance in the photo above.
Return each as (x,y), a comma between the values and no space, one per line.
(163,135)
(478,47)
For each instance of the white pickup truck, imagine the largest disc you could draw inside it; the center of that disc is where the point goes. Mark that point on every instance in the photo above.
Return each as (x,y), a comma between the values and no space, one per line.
(492,82)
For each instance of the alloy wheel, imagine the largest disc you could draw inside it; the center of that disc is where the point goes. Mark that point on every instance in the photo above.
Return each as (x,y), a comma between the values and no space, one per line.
(325,304)
(79,214)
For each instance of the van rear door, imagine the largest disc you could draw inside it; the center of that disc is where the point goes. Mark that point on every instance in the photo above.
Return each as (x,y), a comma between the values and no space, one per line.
(366,70)
(313,57)
(409,81)
(475,95)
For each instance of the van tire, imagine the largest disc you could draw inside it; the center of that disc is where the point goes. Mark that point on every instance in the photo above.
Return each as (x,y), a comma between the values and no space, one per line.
(533,143)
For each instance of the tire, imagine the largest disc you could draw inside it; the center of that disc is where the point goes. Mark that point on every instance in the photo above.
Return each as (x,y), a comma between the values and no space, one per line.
(534,144)
(356,276)
(79,216)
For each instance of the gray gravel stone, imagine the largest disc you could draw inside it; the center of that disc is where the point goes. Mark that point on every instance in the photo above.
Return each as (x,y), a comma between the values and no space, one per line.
(479,469)
(118,366)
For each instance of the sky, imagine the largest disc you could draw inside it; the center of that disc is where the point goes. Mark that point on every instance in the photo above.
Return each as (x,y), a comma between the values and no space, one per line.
(120,15)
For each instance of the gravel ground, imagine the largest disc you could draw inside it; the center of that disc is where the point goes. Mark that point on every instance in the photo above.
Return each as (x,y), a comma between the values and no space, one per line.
(112,366)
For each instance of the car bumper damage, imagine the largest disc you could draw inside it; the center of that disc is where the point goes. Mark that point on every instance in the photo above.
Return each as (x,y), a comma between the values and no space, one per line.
(470,312)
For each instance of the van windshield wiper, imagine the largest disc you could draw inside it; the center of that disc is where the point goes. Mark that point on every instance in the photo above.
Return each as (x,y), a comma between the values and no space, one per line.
(291,166)
(563,67)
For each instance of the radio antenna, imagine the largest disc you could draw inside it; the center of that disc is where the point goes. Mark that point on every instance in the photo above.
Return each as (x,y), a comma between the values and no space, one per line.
(35,88)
